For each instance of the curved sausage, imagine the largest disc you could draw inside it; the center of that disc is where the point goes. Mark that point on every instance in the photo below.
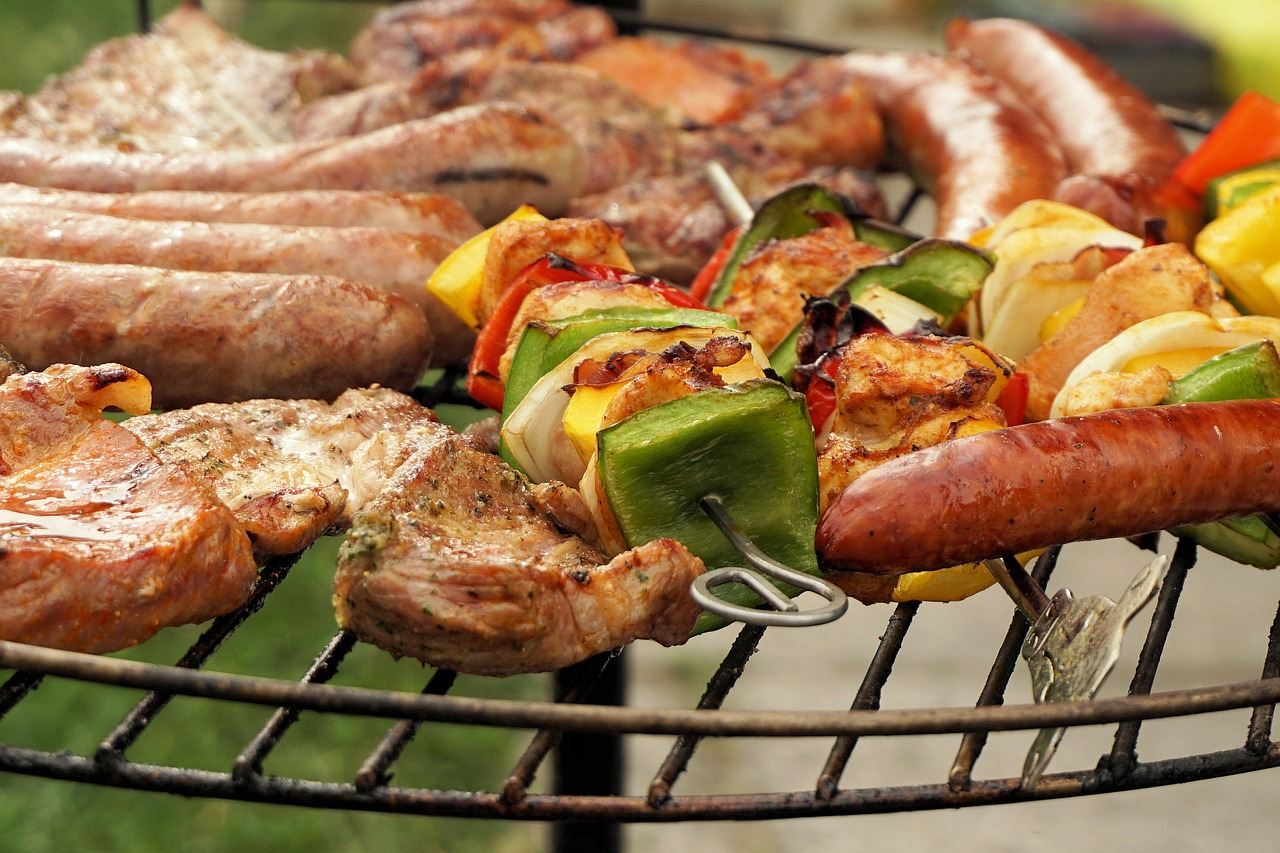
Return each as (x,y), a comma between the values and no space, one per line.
(962,135)
(492,157)
(1119,148)
(1100,476)
(212,337)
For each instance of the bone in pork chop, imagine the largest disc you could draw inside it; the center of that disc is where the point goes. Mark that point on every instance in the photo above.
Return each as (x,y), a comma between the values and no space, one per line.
(101,543)
(290,470)
(454,564)
(187,84)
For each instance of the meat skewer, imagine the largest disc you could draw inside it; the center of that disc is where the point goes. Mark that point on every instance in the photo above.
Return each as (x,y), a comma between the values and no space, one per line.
(202,336)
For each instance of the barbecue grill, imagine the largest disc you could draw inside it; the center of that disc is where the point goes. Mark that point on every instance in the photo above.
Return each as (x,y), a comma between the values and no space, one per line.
(581,745)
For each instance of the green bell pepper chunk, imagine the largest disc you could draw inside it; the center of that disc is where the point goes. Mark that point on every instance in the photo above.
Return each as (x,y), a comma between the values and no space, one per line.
(751,444)
(788,214)
(545,343)
(942,275)
(1247,372)
(1213,190)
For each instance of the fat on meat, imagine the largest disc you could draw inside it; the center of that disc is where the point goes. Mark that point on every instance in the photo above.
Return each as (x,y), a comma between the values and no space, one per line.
(213,336)
(290,470)
(101,543)
(455,564)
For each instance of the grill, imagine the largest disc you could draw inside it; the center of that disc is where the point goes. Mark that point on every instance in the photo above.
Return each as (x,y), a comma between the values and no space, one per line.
(599,719)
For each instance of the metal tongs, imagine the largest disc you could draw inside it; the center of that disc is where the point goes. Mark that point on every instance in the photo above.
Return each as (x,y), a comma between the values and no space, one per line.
(1073,642)
(783,609)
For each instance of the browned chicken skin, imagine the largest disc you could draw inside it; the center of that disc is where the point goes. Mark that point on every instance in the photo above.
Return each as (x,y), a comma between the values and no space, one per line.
(455,565)
(101,543)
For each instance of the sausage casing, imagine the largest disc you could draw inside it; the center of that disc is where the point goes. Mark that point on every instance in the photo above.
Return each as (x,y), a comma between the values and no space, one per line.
(1110,474)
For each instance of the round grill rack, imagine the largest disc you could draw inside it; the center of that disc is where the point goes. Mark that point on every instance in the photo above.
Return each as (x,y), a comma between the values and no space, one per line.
(592,723)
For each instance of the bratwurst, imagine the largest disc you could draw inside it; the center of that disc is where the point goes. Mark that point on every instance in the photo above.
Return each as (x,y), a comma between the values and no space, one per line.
(492,157)
(961,134)
(1100,476)
(212,337)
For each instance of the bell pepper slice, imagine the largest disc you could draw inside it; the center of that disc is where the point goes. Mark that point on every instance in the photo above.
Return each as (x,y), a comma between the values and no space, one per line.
(942,275)
(750,444)
(456,282)
(1240,246)
(1247,134)
(483,381)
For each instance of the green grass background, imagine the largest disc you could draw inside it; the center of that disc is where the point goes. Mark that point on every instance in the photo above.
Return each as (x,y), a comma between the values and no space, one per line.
(40,37)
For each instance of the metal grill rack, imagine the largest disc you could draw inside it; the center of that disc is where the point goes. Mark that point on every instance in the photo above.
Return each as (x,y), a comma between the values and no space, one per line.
(580,737)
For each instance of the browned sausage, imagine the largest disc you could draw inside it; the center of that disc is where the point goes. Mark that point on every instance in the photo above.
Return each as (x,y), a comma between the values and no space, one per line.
(1111,474)
(1119,148)
(422,214)
(395,261)
(962,135)
(220,337)
(492,157)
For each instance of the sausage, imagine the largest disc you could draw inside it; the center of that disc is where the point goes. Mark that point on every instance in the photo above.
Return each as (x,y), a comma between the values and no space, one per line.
(422,214)
(492,157)
(391,260)
(962,135)
(212,337)
(1119,148)
(1111,474)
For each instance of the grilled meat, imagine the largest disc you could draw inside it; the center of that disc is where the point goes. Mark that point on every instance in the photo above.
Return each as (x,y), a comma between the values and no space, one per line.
(202,336)
(101,543)
(453,564)
(187,84)
(427,215)
(394,261)
(286,468)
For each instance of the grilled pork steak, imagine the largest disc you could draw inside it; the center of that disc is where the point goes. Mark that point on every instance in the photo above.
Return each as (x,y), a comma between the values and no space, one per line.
(453,564)
(286,468)
(101,543)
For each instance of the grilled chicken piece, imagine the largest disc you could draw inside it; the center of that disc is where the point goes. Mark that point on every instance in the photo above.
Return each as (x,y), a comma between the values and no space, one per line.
(286,468)
(898,394)
(427,215)
(453,564)
(102,543)
(401,39)
(768,294)
(186,84)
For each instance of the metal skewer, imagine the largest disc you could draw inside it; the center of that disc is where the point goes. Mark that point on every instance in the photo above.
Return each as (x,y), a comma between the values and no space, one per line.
(1073,642)
(784,610)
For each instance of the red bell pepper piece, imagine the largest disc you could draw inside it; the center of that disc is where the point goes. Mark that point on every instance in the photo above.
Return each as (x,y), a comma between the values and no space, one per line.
(1013,399)
(820,393)
(483,382)
(706,277)
(1248,134)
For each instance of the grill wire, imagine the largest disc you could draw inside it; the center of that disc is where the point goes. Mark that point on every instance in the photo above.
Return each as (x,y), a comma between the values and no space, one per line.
(583,732)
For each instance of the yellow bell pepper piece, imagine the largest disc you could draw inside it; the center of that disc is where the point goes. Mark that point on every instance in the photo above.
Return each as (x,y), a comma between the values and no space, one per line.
(1243,247)
(456,282)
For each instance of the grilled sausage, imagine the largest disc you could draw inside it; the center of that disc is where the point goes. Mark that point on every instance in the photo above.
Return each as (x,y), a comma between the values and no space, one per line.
(212,337)
(391,260)
(962,135)
(1111,474)
(1119,148)
(492,157)
(421,214)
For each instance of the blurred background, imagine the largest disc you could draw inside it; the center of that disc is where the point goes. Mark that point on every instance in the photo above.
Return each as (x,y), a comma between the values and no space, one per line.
(1191,53)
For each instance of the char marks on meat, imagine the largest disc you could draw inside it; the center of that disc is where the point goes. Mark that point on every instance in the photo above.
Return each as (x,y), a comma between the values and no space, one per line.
(101,543)
(454,564)
(290,470)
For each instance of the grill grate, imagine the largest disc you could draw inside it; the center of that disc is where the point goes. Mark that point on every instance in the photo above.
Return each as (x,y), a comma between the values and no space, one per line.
(587,740)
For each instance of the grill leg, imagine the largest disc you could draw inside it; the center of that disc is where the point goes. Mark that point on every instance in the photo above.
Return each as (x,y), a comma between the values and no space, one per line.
(592,764)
